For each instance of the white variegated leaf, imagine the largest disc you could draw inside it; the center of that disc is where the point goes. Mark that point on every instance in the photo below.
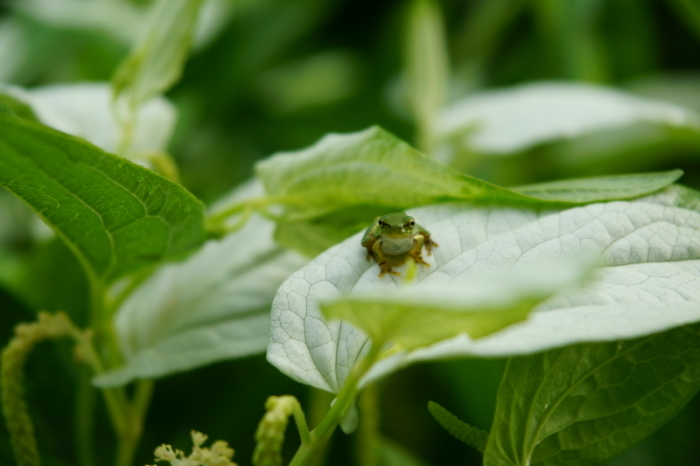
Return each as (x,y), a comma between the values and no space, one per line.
(650,258)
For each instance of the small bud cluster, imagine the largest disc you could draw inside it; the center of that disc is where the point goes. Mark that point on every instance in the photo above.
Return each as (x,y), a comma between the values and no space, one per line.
(270,434)
(218,455)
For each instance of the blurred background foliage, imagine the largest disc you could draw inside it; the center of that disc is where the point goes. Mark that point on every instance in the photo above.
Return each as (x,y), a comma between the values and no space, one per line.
(276,75)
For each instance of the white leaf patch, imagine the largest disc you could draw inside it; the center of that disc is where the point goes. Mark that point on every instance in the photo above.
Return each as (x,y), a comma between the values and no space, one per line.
(649,248)
(506,121)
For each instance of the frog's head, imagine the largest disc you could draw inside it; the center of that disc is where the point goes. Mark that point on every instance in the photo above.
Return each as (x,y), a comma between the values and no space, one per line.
(397,225)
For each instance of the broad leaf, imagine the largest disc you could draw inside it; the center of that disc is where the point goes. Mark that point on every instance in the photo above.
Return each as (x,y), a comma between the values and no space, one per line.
(344,180)
(13,105)
(584,403)
(423,314)
(507,121)
(646,284)
(214,306)
(370,167)
(157,60)
(602,188)
(116,216)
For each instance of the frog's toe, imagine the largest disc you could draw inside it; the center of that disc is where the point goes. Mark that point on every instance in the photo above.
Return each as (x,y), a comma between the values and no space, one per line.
(420,261)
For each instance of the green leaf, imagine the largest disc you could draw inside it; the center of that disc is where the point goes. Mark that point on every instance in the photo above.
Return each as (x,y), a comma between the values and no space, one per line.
(338,186)
(12,105)
(116,216)
(585,403)
(602,188)
(475,438)
(371,167)
(314,236)
(156,62)
(426,67)
(425,313)
(211,307)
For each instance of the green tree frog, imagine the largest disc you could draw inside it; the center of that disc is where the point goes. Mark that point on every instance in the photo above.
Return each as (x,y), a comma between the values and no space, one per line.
(391,239)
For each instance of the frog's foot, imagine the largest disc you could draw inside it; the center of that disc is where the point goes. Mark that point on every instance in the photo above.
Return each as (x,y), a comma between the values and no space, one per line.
(386,268)
(429,245)
(419,259)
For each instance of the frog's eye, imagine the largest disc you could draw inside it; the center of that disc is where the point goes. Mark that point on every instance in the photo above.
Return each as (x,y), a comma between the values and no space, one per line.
(411,223)
(381,224)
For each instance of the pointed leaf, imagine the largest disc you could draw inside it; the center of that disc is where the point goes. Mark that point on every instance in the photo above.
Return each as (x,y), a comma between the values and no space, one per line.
(420,315)
(585,403)
(370,167)
(346,178)
(157,60)
(601,188)
(114,215)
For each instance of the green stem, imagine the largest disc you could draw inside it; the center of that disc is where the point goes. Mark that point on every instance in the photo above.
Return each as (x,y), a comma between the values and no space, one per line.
(320,435)
(368,432)
(258,203)
(319,402)
(126,418)
(129,439)
(84,418)
(300,421)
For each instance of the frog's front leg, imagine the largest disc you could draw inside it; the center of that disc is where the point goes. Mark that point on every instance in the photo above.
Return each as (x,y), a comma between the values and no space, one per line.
(415,253)
(429,245)
(370,238)
(427,240)
(381,259)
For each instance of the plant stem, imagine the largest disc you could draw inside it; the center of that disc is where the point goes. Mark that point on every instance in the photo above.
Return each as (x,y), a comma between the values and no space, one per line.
(320,435)
(129,439)
(84,418)
(126,418)
(368,431)
(258,203)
